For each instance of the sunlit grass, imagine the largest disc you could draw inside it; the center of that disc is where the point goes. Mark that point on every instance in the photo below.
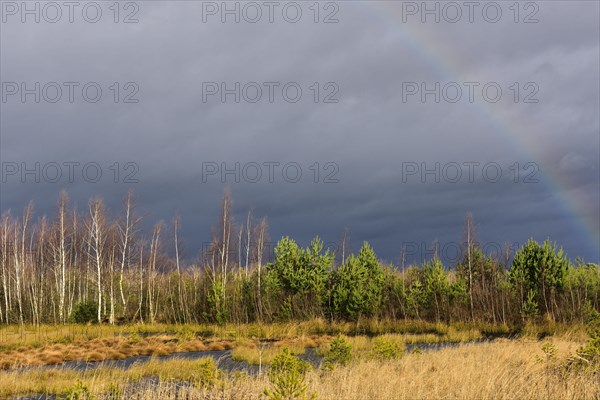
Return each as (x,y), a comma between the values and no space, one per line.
(58,381)
(30,345)
(503,369)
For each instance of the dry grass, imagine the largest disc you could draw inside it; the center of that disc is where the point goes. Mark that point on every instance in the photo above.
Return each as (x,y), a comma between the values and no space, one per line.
(499,370)
(14,336)
(33,346)
(255,354)
(502,370)
(101,349)
(58,381)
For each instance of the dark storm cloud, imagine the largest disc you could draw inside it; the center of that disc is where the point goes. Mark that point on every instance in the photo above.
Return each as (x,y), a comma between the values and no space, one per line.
(370,134)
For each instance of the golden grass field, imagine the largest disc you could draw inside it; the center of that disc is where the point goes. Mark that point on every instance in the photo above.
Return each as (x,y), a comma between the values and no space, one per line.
(501,369)
(48,345)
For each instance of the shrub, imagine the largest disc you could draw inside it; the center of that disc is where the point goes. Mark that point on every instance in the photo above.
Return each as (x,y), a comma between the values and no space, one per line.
(206,373)
(287,376)
(529,309)
(185,333)
(84,312)
(550,351)
(588,356)
(591,350)
(340,352)
(538,271)
(78,392)
(386,349)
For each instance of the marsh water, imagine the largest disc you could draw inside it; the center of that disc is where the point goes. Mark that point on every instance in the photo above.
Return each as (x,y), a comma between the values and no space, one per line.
(223,359)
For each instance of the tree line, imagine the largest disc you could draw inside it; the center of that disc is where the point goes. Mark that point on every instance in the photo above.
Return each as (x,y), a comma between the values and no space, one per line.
(95,267)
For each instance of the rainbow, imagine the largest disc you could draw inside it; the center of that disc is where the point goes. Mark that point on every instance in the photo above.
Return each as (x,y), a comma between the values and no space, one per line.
(582,211)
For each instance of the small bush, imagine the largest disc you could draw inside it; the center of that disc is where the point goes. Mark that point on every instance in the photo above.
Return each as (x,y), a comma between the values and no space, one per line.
(340,352)
(386,349)
(588,356)
(287,376)
(84,312)
(591,350)
(530,307)
(550,351)
(78,392)
(206,373)
(185,333)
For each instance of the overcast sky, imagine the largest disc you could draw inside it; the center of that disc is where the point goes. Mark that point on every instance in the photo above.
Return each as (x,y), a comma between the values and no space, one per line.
(364,129)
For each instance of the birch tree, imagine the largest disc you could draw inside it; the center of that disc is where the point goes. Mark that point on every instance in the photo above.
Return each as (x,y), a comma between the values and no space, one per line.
(97,239)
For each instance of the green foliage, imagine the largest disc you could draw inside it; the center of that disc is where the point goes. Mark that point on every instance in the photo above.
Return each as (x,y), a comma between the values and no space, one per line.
(386,349)
(287,376)
(416,294)
(215,301)
(358,285)
(84,312)
(458,293)
(185,333)
(550,351)
(416,350)
(340,352)
(436,285)
(588,356)
(300,272)
(590,314)
(539,271)
(79,391)
(530,308)
(482,266)
(581,281)
(205,373)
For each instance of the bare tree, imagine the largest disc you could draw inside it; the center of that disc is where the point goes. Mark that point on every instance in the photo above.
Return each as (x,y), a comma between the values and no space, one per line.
(181,288)
(248,237)
(97,239)
(224,245)
(261,235)
(469,235)
(62,237)
(20,234)
(6,249)
(345,240)
(111,269)
(154,250)
(142,246)
(127,230)
(37,272)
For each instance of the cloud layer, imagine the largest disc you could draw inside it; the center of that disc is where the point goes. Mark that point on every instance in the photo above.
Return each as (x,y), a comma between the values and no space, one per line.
(392,165)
